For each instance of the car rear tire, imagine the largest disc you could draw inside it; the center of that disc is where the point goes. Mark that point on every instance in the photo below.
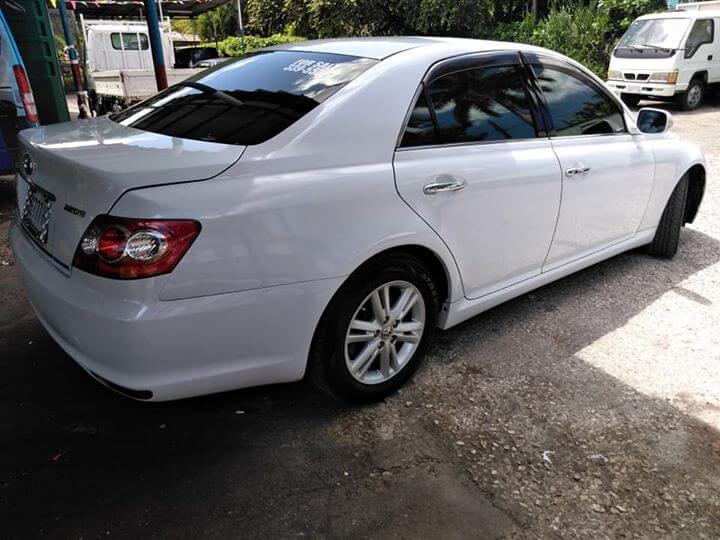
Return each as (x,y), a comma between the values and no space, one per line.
(362,353)
(631,100)
(667,235)
(692,98)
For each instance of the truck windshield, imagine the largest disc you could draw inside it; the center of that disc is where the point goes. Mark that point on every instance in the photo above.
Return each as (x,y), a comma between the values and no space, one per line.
(655,33)
(248,100)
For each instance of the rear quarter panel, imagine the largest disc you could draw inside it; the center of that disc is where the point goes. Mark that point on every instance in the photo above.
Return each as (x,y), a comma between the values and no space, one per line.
(276,229)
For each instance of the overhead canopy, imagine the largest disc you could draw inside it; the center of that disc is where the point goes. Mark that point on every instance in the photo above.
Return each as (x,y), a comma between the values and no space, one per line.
(130,8)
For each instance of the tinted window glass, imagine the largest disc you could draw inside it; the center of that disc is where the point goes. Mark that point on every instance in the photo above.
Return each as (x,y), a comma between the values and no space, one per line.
(576,107)
(248,100)
(485,104)
(701,33)
(420,128)
(130,42)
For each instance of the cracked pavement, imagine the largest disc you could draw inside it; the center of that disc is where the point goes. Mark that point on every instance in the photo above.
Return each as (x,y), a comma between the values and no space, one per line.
(590,407)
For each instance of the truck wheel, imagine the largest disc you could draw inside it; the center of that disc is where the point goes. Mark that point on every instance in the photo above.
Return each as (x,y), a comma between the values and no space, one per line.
(693,96)
(631,100)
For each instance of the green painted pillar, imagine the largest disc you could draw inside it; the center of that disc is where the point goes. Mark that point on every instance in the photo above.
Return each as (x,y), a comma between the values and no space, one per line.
(35,40)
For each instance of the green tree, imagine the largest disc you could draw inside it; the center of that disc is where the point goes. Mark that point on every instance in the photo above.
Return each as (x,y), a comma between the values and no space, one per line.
(623,12)
(219,23)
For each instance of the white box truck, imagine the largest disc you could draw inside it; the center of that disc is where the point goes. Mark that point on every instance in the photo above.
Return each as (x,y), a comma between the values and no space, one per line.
(673,55)
(119,65)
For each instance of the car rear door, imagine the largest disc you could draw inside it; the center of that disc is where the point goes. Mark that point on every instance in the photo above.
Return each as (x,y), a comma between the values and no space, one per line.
(607,172)
(474,163)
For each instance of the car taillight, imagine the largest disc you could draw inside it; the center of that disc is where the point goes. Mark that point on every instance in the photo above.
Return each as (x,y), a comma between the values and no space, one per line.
(26,93)
(124,248)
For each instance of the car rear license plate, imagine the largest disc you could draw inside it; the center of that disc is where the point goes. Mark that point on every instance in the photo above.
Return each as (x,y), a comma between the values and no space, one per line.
(35,213)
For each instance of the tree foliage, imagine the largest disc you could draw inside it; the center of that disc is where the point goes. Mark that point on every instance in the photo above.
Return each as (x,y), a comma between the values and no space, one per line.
(580,32)
(330,18)
(218,23)
(584,29)
(622,12)
(232,46)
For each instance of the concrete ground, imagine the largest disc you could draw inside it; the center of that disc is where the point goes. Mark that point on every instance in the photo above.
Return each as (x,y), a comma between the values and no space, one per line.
(588,408)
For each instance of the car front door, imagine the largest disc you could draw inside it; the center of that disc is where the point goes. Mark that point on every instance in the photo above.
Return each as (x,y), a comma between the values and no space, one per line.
(607,172)
(473,162)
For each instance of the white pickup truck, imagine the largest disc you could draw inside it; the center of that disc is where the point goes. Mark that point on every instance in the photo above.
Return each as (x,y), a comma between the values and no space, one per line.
(119,66)
(672,55)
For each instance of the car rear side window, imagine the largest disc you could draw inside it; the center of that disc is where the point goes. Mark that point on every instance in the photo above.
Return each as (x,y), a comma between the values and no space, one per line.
(248,100)
(473,105)
(420,129)
(576,107)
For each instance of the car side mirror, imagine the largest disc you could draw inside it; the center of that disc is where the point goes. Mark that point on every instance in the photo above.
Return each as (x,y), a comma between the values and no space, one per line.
(653,121)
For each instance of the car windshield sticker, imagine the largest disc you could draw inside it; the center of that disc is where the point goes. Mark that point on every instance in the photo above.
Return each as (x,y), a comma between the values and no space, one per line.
(310,67)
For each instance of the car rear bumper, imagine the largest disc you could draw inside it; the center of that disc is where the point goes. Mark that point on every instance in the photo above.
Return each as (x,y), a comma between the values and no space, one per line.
(133,342)
(643,88)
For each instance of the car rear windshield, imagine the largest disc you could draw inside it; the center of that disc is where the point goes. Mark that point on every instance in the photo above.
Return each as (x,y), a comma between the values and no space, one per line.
(248,100)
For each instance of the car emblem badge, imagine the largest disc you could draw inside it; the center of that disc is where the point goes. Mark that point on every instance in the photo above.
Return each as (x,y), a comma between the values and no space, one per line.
(75,211)
(28,164)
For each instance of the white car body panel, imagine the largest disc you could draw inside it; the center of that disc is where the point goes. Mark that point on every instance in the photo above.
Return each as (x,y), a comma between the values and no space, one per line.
(606,205)
(341,216)
(286,221)
(508,185)
(89,165)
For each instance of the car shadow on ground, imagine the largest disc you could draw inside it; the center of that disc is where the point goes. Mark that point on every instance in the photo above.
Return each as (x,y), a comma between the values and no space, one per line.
(78,460)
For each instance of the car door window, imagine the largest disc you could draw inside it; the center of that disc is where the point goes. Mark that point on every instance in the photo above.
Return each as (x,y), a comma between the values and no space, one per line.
(702,32)
(576,107)
(473,105)
(420,129)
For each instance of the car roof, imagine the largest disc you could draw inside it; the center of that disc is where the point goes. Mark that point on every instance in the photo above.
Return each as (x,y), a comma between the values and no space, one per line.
(681,14)
(379,48)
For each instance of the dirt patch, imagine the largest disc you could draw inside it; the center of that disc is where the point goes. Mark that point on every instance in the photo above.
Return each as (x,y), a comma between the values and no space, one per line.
(7,213)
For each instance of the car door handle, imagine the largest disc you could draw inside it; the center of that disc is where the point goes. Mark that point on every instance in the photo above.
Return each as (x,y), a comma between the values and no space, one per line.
(446,185)
(573,171)
(710,57)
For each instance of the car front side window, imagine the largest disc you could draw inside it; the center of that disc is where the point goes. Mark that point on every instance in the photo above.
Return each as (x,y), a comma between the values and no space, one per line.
(576,107)
(702,32)
(473,105)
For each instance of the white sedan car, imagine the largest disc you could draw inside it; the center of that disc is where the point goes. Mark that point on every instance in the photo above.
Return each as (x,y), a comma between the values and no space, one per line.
(321,208)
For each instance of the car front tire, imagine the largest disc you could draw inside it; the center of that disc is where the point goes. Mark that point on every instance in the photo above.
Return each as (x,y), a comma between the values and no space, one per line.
(631,100)
(667,235)
(376,330)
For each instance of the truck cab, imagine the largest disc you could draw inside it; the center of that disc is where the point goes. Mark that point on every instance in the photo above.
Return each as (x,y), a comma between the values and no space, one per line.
(673,55)
(119,63)
(116,45)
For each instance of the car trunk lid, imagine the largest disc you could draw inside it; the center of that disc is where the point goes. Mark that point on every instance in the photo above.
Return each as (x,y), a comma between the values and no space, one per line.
(80,170)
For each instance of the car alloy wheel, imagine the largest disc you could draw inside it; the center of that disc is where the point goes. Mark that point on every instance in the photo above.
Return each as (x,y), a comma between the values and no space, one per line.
(385,332)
